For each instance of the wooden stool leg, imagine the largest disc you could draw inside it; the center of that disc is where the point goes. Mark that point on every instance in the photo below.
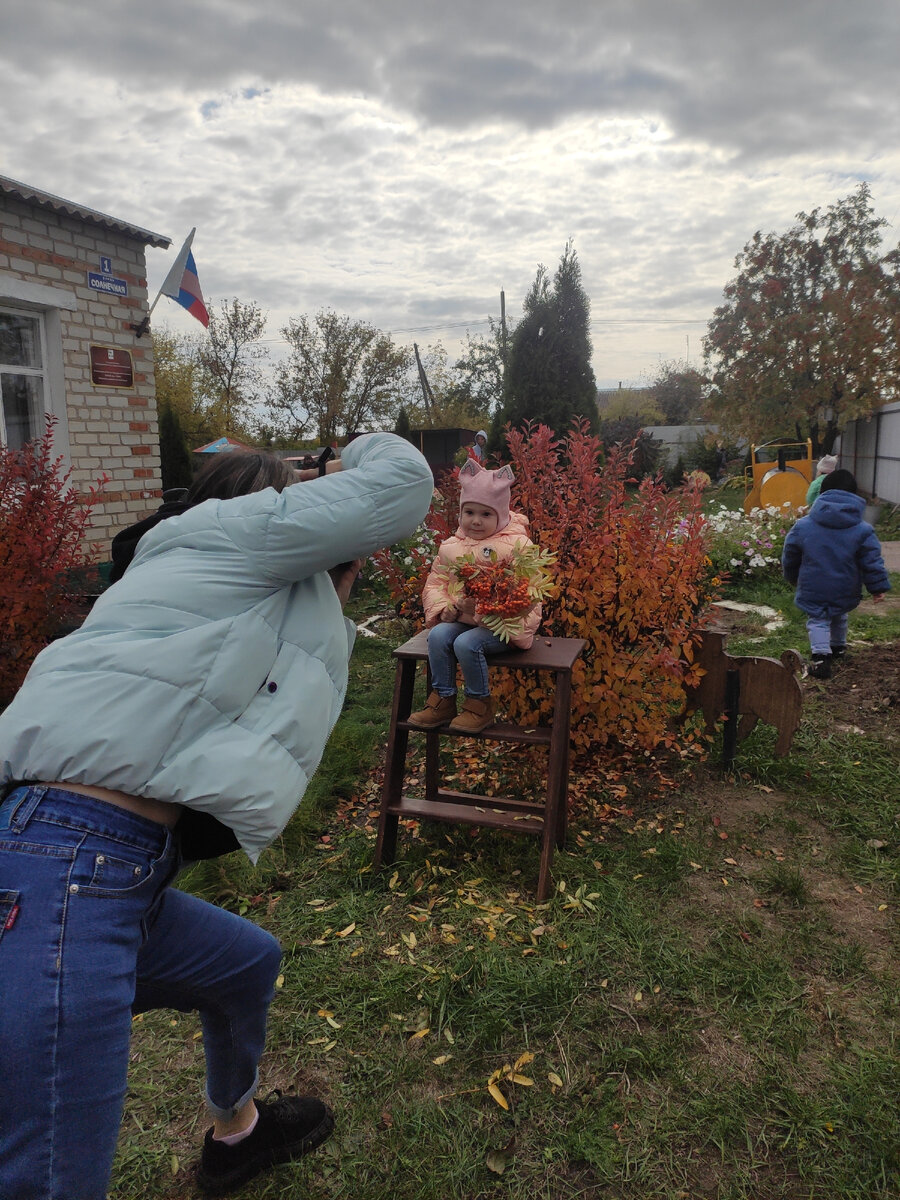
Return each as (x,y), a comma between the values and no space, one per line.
(557,772)
(432,750)
(562,715)
(395,767)
(432,760)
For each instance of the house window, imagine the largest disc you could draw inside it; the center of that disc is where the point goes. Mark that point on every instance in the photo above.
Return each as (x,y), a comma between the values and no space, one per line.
(23,377)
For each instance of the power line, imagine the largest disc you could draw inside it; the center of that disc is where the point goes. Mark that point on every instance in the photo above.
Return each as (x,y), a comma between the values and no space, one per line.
(598,321)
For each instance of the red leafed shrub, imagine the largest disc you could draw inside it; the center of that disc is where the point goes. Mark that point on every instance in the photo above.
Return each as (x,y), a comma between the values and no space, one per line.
(630,575)
(42,526)
(630,578)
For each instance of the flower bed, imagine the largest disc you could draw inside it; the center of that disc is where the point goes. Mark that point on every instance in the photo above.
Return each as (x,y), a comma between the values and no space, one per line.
(747,544)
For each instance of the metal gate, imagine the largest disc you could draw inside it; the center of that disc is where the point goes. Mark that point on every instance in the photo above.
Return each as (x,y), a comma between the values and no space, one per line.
(871,450)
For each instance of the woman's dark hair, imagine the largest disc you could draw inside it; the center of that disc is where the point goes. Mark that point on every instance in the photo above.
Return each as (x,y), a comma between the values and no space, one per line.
(237,474)
(843,480)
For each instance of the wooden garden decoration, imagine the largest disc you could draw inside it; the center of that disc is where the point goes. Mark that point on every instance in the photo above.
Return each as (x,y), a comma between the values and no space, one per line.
(747,690)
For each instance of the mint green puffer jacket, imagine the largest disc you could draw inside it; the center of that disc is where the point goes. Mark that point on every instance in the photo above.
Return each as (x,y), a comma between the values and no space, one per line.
(213,672)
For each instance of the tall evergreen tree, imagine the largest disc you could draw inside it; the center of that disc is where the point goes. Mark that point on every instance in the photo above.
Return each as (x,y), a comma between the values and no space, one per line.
(549,378)
(403,428)
(176,465)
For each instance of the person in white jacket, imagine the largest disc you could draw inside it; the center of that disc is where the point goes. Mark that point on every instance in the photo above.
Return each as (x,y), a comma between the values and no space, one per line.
(203,684)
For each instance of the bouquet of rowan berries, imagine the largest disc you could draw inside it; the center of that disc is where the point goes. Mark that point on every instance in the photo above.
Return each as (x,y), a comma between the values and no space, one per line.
(504,590)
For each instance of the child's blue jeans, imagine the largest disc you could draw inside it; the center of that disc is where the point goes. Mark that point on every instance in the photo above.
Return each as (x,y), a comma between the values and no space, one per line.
(90,933)
(450,642)
(825,632)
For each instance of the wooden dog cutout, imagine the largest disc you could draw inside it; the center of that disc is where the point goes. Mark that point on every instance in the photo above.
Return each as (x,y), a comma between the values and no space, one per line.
(769,689)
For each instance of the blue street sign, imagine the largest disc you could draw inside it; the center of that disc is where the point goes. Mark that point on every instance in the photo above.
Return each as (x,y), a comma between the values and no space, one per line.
(108,284)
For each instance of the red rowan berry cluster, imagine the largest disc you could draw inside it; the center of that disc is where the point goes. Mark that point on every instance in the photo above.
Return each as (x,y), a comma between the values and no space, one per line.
(496,588)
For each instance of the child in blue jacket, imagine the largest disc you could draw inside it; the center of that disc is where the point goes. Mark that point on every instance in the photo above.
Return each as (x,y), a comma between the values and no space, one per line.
(829,554)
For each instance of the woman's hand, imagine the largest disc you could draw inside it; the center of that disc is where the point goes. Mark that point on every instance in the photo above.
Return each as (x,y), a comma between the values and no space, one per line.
(343,577)
(449,613)
(306,473)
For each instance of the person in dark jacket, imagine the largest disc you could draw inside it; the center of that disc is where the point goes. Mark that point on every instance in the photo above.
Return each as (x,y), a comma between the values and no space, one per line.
(124,544)
(828,556)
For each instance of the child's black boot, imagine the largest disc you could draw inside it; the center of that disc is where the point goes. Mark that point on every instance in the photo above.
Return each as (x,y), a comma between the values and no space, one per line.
(838,651)
(820,667)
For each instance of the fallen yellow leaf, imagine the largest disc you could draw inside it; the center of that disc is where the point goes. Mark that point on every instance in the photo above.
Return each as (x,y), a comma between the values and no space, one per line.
(554,1079)
(441,1059)
(346,932)
(498,1096)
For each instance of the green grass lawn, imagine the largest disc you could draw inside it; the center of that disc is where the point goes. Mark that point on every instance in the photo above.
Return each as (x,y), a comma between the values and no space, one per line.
(710,996)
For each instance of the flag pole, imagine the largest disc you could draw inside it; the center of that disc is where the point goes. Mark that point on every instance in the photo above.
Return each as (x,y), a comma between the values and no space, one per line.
(172,279)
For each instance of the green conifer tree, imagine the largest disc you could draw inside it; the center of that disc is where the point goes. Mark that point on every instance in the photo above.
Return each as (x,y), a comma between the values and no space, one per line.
(175,459)
(403,428)
(549,378)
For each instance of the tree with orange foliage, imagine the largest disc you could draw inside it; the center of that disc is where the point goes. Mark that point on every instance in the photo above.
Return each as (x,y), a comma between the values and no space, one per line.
(808,335)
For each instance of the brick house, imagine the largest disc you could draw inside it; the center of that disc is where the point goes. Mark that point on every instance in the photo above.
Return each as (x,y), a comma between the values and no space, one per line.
(72,287)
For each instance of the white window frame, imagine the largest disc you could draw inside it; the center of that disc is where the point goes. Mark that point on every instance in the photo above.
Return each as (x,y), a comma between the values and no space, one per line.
(20,296)
(42,372)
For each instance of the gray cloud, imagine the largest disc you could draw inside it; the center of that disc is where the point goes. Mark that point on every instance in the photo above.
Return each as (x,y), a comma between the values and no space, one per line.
(759,79)
(404,162)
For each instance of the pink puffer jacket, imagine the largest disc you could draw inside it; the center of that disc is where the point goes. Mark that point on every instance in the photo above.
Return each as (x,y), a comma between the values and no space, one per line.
(435,597)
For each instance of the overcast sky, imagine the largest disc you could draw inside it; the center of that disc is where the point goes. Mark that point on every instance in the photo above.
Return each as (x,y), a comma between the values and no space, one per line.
(402,162)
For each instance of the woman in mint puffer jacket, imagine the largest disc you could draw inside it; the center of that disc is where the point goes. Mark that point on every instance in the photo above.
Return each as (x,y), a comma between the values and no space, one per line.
(198,694)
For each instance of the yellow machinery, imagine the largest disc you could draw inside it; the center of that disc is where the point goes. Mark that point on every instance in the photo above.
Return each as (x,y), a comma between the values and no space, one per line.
(780,473)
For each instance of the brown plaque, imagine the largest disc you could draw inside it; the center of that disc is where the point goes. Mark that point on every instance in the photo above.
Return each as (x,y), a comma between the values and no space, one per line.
(111,367)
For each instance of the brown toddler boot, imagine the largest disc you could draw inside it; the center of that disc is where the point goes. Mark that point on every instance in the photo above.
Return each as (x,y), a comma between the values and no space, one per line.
(438,710)
(477,713)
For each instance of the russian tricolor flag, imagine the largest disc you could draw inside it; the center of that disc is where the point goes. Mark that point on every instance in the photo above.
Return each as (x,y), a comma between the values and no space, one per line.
(182,285)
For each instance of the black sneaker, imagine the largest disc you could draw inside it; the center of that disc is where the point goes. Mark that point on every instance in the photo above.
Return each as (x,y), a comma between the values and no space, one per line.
(288,1127)
(820,668)
(838,651)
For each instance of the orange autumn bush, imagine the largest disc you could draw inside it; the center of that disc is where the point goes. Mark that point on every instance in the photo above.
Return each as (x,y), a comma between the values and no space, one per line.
(630,579)
(42,527)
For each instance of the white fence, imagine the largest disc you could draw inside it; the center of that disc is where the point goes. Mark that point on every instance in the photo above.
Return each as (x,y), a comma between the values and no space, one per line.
(871,450)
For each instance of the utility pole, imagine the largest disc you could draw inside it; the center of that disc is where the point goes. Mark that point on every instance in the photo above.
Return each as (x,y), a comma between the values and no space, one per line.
(427,393)
(503,329)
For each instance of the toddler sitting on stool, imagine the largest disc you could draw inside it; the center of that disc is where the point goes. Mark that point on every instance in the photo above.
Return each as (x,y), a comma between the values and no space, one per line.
(486,528)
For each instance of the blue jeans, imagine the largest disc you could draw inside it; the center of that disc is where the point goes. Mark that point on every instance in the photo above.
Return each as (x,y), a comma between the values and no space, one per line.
(825,632)
(450,642)
(90,933)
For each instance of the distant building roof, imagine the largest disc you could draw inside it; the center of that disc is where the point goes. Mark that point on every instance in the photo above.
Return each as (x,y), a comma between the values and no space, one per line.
(222,444)
(30,195)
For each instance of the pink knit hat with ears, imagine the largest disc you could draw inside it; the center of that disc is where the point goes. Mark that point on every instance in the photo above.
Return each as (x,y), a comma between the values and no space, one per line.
(490,488)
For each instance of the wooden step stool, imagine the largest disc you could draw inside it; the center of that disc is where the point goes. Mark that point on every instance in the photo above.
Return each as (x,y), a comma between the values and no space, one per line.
(545,818)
